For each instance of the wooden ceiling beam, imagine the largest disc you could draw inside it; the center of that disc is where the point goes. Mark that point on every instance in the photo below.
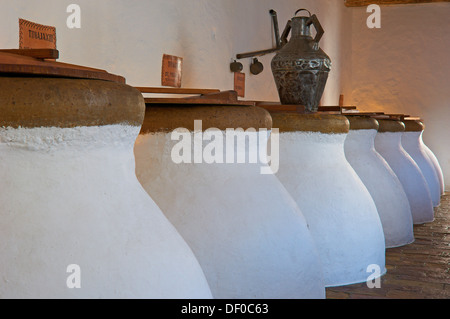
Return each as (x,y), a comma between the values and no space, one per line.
(365,3)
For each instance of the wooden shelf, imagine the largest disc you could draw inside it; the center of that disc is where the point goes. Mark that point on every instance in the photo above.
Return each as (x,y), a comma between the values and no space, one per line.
(34,53)
(215,98)
(169,90)
(365,3)
(11,63)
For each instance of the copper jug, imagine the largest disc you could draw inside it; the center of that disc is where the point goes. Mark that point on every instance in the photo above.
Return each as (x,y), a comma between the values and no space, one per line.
(300,68)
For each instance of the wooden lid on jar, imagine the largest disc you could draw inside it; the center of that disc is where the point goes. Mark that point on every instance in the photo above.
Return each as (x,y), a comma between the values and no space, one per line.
(16,64)
(64,102)
(314,122)
(362,123)
(166,118)
(413,126)
(390,126)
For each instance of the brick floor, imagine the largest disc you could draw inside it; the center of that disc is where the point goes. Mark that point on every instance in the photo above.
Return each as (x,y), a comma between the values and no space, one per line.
(420,270)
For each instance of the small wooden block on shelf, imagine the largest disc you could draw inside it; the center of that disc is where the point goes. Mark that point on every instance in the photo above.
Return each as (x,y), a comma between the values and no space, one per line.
(171,90)
(203,97)
(394,117)
(340,109)
(368,114)
(34,53)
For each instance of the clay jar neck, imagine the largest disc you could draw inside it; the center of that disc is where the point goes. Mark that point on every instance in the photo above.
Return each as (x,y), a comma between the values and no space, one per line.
(237,134)
(161,118)
(311,122)
(361,139)
(390,134)
(34,102)
(412,139)
(362,132)
(391,141)
(413,126)
(307,137)
(413,133)
(71,116)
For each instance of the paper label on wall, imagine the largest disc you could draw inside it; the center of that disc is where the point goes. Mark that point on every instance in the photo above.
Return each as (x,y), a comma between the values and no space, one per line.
(239,83)
(172,67)
(36,36)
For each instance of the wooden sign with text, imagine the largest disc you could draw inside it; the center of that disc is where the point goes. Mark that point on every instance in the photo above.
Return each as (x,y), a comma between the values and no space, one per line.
(171,72)
(239,83)
(36,36)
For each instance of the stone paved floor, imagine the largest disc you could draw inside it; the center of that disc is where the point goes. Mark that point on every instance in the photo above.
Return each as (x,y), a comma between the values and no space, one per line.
(420,270)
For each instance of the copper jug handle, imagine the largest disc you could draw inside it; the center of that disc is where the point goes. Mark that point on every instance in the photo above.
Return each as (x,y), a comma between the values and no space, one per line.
(315,22)
(284,35)
(302,10)
(287,29)
(319,30)
(312,20)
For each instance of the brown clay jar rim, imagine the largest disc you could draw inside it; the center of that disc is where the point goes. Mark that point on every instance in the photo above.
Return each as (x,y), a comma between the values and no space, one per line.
(413,126)
(166,118)
(390,126)
(31,102)
(314,122)
(363,123)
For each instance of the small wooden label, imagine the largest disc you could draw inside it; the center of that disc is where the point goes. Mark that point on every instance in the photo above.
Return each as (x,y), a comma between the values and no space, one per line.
(171,72)
(36,36)
(239,83)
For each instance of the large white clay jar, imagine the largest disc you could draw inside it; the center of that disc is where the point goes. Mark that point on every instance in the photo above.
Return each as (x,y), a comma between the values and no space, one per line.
(388,144)
(74,220)
(382,183)
(341,214)
(248,234)
(413,144)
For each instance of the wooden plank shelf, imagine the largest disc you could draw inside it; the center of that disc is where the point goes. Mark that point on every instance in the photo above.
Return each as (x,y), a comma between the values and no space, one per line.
(215,98)
(17,64)
(363,113)
(395,117)
(34,53)
(187,102)
(170,90)
(336,108)
(365,3)
(285,108)
(413,118)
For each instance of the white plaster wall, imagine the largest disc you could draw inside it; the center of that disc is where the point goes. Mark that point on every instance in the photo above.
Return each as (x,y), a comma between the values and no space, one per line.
(71,196)
(129,37)
(404,68)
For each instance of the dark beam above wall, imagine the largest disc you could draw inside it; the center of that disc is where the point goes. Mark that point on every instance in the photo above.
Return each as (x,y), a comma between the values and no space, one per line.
(361,3)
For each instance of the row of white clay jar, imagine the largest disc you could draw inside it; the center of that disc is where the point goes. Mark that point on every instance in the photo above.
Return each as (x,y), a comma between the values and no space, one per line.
(73,176)
(252,242)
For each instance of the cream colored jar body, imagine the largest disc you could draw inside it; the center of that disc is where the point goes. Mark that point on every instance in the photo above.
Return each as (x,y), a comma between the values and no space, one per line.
(383,185)
(248,234)
(340,212)
(74,220)
(388,145)
(412,143)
